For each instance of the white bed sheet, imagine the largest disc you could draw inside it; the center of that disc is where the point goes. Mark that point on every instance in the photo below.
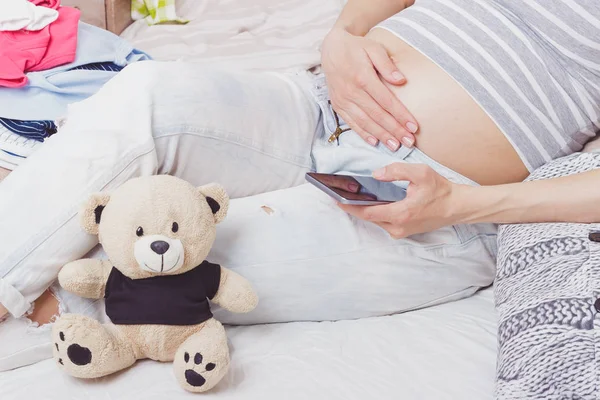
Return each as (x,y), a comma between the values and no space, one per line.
(444,352)
(275,35)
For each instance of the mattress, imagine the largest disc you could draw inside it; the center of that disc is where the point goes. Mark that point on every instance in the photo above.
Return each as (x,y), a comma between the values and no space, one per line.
(443,352)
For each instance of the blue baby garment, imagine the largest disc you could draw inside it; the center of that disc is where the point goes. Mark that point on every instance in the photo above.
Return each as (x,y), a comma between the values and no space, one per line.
(47,94)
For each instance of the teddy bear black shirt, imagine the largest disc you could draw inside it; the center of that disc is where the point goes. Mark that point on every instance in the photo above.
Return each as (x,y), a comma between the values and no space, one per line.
(162,300)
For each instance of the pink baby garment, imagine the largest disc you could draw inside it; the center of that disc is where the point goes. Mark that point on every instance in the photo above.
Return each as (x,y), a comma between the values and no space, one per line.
(25,51)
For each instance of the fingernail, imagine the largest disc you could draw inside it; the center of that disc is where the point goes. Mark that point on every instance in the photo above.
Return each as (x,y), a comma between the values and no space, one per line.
(372,141)
(412,127)
(408,142)
(397,76)
(392,144)
(379,173)
(353,187)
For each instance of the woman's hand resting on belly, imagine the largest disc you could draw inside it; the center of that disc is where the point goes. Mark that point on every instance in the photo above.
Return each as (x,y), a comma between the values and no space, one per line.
(452,128)
(354,68)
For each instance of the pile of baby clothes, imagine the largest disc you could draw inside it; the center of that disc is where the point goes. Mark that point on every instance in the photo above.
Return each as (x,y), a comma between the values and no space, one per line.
(48,60)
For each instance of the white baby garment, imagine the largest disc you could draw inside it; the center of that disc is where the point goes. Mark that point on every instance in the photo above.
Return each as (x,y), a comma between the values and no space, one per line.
(21,14)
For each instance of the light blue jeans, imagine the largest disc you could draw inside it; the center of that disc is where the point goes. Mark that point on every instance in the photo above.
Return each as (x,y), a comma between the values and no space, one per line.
(257,134)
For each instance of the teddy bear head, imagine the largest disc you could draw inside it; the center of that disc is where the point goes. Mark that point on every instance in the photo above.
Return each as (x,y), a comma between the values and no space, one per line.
(157,225)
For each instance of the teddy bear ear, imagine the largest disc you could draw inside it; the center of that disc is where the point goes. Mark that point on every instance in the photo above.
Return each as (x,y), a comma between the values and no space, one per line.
(217,199)
(91,212)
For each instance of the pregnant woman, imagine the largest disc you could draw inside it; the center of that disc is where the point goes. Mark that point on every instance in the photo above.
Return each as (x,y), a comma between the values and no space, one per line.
(495,89)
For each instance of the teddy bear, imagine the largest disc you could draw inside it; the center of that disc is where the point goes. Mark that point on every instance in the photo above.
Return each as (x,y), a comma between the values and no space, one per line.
(157,232)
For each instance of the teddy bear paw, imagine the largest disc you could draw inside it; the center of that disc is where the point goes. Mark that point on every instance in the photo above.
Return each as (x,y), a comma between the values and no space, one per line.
(85,349)
(192,376)
(199,373)
(69,354)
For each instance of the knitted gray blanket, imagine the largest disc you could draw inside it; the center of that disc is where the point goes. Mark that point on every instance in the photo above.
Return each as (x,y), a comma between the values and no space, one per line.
(547,289)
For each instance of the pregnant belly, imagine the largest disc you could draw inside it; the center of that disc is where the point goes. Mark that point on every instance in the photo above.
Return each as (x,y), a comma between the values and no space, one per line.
(453,129)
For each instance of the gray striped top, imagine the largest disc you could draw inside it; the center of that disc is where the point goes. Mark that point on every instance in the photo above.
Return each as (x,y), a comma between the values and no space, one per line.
(532,65)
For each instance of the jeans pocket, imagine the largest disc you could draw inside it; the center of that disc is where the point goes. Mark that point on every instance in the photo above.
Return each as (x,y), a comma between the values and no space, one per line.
(447,235)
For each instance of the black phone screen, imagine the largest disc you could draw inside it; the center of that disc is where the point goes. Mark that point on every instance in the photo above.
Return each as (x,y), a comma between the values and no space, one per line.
(362,188)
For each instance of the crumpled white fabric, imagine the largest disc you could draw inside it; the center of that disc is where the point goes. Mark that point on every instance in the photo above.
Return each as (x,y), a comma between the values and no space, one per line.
(21,14)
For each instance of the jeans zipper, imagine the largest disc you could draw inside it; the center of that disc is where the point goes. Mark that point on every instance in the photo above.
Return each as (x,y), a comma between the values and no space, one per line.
(335,136)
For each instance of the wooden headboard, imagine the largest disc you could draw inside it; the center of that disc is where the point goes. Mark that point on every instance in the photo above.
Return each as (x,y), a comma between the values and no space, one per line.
(114,15)
(118,15)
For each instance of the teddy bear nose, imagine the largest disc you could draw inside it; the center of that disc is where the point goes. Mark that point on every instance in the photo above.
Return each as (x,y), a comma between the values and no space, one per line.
(159,247)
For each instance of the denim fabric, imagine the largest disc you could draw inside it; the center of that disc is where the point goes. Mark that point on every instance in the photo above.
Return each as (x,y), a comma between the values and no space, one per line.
(257,135)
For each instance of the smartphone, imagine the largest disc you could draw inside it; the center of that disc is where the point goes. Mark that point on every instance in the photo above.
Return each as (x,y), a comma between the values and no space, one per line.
(357,190)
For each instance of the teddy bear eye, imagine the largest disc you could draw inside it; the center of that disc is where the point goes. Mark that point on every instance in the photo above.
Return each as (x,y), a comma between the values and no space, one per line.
(139,231)
(175,227)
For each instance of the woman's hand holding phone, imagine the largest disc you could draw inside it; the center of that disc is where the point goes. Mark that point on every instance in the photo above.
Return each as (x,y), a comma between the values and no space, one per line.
(429,203)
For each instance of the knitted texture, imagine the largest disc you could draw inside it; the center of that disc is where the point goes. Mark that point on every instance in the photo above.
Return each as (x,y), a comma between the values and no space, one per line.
(547,281)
